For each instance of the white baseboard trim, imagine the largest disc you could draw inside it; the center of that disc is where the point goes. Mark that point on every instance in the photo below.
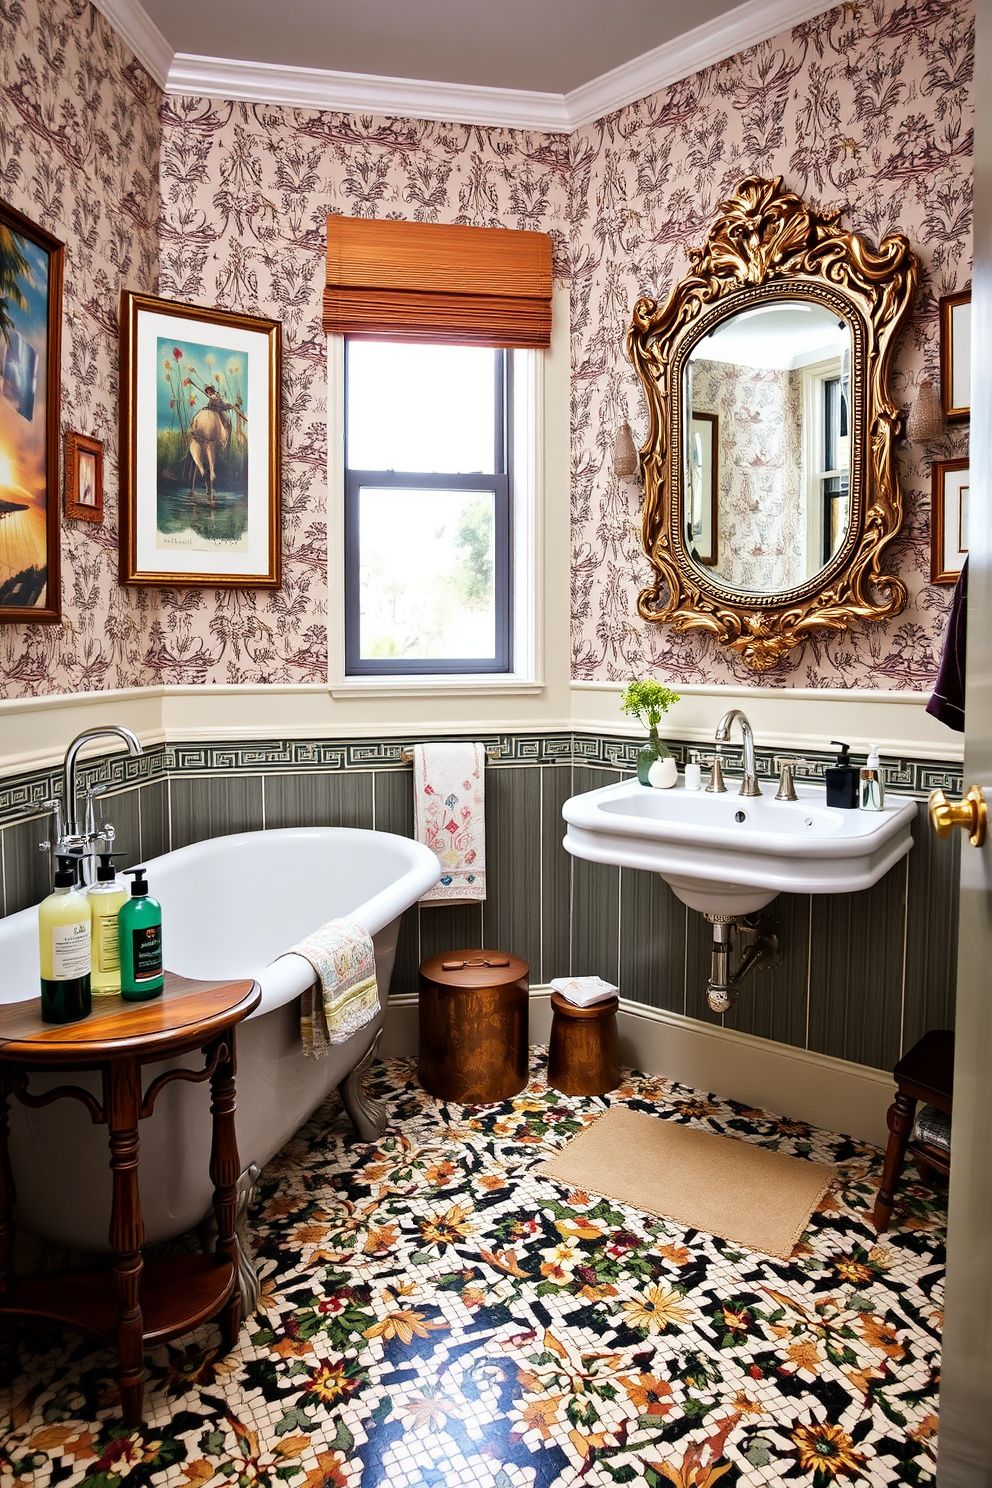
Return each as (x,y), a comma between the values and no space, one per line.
(826,1092)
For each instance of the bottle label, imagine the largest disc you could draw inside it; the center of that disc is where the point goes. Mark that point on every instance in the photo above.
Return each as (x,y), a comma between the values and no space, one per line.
(108,945)
(71,954)
(146,953)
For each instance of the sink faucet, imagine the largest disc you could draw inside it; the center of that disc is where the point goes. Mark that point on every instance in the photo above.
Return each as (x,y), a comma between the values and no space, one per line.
(68,836)
(749,785)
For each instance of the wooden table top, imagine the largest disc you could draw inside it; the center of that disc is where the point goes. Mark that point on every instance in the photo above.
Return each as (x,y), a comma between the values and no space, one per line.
(188,1011)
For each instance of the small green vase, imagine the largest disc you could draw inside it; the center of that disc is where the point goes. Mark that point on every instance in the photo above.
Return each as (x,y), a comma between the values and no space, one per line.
(654,749)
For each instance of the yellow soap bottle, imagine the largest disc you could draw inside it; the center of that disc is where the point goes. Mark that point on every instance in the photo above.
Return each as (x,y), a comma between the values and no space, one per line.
(64,921)
(106,897)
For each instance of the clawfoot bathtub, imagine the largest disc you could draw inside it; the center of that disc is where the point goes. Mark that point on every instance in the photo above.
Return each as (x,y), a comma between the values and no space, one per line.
(231,907)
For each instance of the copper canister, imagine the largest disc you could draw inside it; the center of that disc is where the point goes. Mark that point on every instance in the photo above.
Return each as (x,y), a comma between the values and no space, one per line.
(584,1052)
(474,1026)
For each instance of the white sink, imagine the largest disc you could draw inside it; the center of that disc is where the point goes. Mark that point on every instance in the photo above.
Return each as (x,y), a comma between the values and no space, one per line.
(730,855)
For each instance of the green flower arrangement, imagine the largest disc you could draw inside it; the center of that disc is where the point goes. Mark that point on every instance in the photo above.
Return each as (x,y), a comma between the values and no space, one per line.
(647,701)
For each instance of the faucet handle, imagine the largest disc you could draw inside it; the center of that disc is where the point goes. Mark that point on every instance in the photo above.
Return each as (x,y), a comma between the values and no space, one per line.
(52,844)
(716,786)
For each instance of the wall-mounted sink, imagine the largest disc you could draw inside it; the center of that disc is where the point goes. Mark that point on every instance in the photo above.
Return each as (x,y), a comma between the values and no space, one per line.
(729,855)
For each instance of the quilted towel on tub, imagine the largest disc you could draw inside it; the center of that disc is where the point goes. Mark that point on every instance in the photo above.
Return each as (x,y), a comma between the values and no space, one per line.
(345,996)
(449,806)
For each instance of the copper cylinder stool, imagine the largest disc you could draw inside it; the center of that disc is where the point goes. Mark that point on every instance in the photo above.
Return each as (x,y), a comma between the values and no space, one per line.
(584,1054)
(474,1026)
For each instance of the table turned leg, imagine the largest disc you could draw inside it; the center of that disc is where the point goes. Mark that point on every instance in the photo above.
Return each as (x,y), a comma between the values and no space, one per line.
(122,1102)
(900,1123)
(6,1226)
(224,1173)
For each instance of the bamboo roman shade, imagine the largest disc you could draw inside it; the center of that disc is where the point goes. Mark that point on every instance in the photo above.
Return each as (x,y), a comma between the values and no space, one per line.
(424,281)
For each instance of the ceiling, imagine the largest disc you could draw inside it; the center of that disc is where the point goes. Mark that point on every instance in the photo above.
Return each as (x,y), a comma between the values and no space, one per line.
(542,46)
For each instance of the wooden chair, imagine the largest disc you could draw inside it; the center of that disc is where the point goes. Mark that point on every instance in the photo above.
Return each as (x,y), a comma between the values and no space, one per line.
(925,1074)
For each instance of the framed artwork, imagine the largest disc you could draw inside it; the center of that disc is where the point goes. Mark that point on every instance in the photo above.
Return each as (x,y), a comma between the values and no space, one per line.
(704,461)
(200,467)
(83,477)
(948,520)
(955,355)
(30,369)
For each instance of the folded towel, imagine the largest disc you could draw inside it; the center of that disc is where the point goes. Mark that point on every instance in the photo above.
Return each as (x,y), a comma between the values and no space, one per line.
(449,805)
(584,991)
(345,996)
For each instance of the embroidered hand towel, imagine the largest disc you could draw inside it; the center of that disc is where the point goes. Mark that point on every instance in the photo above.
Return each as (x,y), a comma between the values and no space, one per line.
(345,996)
(584,991)
(449,808)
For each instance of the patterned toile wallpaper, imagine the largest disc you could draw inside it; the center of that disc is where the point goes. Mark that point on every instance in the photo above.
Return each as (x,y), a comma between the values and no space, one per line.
(864,108)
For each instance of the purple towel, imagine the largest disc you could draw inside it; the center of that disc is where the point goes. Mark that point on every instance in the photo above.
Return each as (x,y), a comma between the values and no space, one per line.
(947,702)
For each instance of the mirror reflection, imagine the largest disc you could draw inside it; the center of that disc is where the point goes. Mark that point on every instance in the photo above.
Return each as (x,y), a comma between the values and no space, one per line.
(766,473)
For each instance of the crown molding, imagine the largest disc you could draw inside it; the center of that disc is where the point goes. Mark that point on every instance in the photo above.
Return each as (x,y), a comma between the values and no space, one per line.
(509,108)
(140,34)
(703,46)
(357,92)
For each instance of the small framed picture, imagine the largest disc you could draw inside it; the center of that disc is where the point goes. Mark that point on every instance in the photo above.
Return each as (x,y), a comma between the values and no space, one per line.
(701,535)
(200,427)
(948,520)
(83,477)
(955,355)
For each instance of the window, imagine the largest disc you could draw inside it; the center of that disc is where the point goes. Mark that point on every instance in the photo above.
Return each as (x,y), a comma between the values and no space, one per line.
(428,517)
(827,455)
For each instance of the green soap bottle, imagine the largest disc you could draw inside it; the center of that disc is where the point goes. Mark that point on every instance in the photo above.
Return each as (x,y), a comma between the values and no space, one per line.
(139,926)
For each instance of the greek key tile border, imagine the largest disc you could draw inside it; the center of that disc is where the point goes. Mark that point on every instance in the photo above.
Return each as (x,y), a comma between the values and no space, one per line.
(23,796)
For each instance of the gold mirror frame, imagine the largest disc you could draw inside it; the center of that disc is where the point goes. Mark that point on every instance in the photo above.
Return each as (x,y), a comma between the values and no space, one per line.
(767,244)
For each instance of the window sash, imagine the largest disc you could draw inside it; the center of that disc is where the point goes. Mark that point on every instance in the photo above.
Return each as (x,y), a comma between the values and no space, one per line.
(499,485)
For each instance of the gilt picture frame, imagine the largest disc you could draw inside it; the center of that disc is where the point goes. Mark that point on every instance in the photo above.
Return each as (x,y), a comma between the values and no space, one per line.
(30,373)
(200,446)
(83,477)
(955,356)
(949,503)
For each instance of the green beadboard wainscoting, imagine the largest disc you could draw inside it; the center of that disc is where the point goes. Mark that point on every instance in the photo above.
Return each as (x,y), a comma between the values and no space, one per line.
(862,976)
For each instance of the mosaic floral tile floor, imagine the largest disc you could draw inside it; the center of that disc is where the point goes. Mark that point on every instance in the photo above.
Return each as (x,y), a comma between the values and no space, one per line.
(437,1316)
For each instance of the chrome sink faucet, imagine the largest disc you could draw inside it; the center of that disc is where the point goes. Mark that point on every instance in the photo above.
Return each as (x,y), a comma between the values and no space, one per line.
(749,785)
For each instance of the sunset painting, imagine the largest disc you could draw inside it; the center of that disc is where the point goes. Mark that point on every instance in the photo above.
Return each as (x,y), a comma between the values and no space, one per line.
(30,283)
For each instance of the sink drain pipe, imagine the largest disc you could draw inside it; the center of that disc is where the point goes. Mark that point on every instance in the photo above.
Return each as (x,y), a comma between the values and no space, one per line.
(759,951)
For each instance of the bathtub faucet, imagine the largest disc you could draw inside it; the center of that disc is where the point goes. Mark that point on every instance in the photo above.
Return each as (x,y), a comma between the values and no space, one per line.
(69,836)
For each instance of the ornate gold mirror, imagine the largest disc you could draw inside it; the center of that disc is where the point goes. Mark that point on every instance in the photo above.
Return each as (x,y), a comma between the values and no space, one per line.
(770,486)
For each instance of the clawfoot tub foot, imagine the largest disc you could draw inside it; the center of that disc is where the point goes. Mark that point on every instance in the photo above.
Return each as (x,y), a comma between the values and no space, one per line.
(368,1116)
(248,1282)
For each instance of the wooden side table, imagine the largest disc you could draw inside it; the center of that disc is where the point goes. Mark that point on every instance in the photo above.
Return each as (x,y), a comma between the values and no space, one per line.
(925,1073)
(136,1302)
(584,1051)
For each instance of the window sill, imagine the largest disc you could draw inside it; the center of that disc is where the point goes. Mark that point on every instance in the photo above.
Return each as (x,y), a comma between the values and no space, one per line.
(465,685)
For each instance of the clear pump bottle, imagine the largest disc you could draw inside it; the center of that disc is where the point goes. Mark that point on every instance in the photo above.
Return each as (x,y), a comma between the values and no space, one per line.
(106,897)
(872,792)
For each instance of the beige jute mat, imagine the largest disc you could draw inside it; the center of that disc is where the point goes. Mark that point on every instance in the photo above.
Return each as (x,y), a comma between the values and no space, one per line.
(759,1199)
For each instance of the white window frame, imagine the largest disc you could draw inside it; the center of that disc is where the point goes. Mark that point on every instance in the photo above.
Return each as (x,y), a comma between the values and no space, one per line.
(813,377)
(527,521)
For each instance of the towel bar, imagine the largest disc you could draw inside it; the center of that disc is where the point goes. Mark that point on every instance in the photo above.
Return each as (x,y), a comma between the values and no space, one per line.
(493,752)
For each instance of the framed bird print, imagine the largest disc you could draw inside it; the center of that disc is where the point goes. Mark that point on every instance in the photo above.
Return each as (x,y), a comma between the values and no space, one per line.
(200,452)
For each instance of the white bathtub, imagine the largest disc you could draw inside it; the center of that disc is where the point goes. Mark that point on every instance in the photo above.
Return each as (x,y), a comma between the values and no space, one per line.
(230,907)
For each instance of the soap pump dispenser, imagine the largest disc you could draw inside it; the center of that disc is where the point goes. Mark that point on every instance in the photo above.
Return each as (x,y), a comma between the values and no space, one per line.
(64,922)
(107,896)
(139,925)
(872,783)
(842,779)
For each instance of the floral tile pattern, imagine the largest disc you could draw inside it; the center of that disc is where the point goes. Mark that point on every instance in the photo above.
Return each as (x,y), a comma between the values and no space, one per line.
(434,1313)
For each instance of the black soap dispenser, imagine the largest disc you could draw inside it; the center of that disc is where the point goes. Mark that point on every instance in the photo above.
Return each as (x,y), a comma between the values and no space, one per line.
(842,780)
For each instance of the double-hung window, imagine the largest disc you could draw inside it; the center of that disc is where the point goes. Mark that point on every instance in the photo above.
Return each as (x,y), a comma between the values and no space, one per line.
(440,326)
(428,517)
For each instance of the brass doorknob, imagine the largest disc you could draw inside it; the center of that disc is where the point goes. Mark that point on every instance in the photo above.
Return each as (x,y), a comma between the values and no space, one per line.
(971,813)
